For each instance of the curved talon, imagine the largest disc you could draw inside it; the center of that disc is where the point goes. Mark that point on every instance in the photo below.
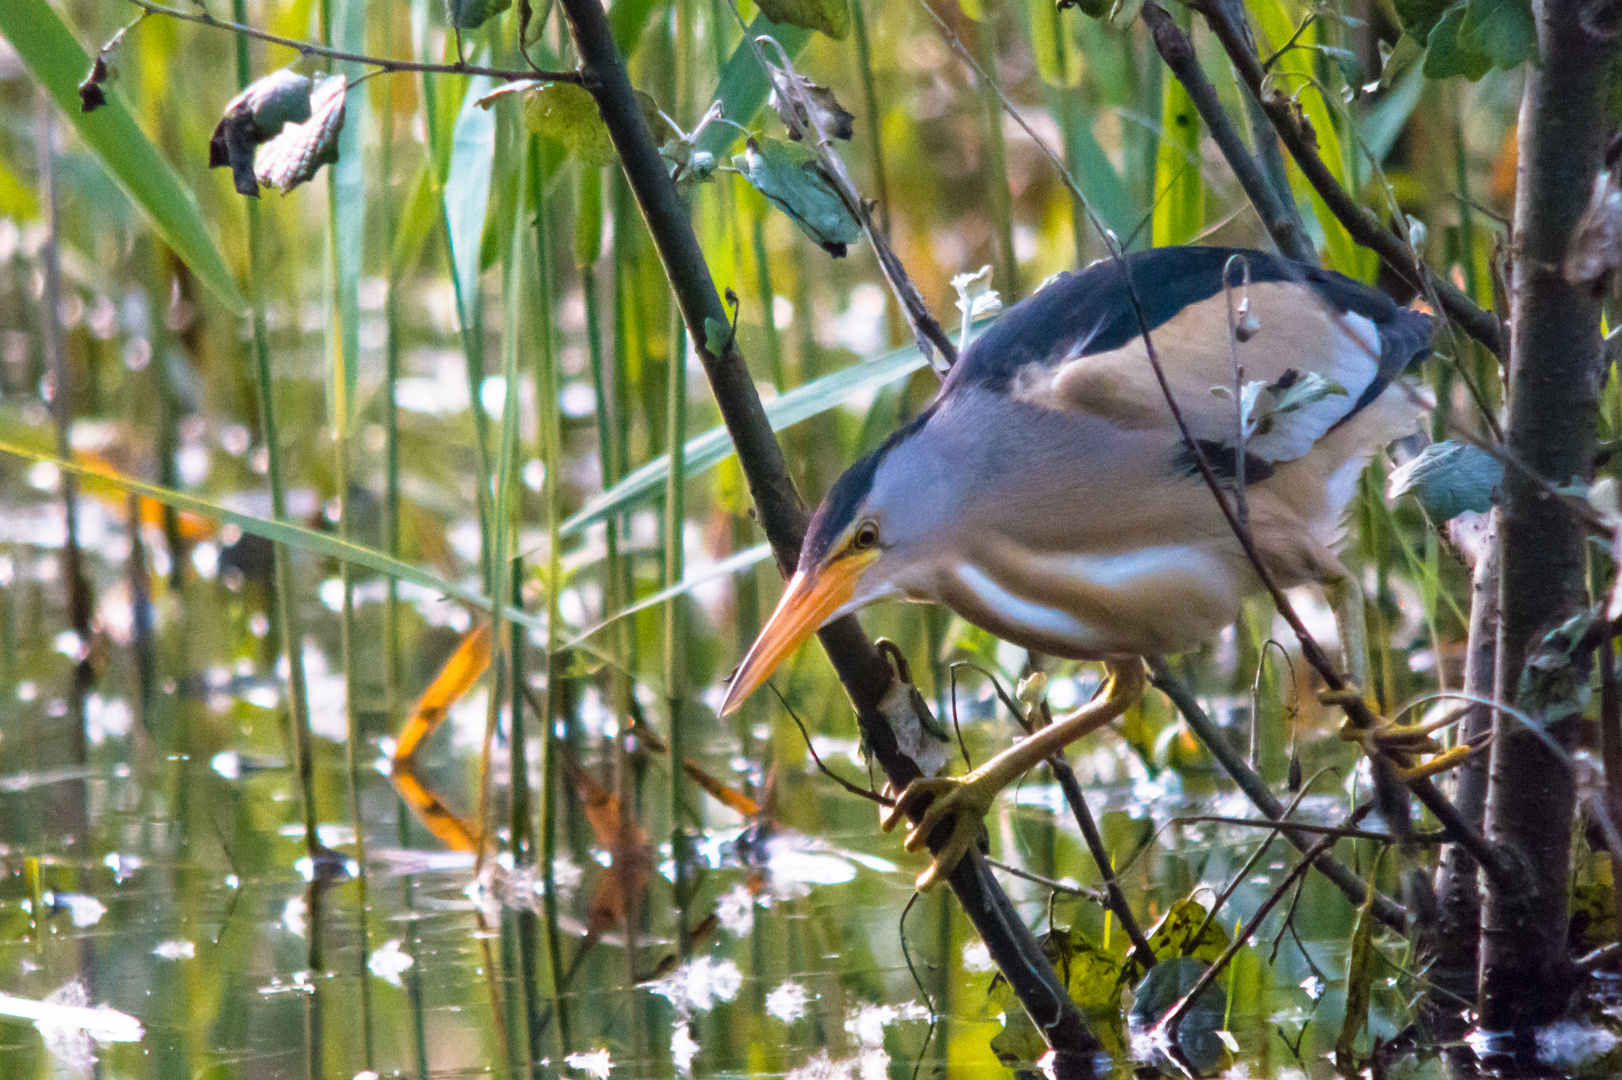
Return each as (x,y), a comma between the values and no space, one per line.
(961,798)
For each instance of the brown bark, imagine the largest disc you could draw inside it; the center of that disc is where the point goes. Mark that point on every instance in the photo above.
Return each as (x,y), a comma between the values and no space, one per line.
(1554,381)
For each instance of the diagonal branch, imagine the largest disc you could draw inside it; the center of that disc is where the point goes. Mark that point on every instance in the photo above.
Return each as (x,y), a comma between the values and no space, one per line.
(1276,215)
(867,677)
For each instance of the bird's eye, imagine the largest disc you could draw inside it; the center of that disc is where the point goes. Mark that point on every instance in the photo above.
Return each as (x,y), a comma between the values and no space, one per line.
(867,535)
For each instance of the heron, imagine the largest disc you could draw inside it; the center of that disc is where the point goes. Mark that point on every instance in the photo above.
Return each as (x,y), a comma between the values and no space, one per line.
(1049,495)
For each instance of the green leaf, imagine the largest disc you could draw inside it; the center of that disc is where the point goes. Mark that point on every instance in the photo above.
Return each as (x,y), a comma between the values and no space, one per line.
(1179,212)
(1501,30)
(789,176)
(1359,981)
(567,114)
(1419,17)
(744,84)
(58,62)
(1173,935)
(1164,986)
(706,450)
(1056,58)
(1447,55)
(467,191)
(832,17)
(1093,979)
(1449,478)
(296,537)
(472,14)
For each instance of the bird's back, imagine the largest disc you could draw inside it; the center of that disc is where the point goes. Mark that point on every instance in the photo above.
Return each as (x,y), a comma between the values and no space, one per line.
(1094,533)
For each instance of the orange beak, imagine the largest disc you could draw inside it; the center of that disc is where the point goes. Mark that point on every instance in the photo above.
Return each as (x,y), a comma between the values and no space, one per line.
(807,603)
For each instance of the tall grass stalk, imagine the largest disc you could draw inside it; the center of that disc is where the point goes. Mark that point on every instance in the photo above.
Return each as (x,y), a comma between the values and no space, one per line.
(298,703)
(343,350)
(546,398)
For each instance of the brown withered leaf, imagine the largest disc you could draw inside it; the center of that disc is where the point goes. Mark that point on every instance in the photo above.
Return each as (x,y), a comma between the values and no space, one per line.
(806,107)
(631,865)
(91,95)
(733,800)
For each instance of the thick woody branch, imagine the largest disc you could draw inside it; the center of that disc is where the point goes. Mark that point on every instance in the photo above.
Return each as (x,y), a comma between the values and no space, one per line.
(1556,369)
(865,674)
(1367,229)
(1277,217)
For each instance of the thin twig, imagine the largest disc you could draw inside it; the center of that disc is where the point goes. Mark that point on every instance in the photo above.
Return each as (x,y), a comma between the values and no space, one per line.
(854,789)
(1175,1014)
(310,48)
(1095,895)
(1256,789)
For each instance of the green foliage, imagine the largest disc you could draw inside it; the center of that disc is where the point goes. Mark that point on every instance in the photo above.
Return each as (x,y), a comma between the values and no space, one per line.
(1174,934)
(472,14)
(567,115)
(1449,478)
(831,17)
(1472,38)
(1094,980)
(789,176)
(58,62)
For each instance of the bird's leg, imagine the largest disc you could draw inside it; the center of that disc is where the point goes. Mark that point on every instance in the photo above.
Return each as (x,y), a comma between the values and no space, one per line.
(1345,596)
(1401,743)
(967,799)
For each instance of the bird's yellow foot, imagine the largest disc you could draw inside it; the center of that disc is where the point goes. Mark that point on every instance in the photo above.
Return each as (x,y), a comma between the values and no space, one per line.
(966,800)
(1398,743)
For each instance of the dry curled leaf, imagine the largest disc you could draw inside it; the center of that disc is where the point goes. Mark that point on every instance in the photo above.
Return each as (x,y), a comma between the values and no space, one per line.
(294,156)
(255,116)
(806,107)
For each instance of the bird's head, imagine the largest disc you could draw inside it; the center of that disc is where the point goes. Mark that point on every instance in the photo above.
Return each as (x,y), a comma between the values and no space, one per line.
(863,536)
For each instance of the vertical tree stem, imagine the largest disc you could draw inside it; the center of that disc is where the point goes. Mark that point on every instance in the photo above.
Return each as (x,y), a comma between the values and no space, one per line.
(1554,372)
